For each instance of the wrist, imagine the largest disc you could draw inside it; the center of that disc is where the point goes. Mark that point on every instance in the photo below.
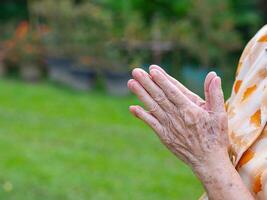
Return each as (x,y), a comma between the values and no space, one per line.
(221,180)
(215,165)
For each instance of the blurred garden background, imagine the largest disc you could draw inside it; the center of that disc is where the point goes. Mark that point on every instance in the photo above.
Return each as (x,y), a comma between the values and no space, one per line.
(65,129)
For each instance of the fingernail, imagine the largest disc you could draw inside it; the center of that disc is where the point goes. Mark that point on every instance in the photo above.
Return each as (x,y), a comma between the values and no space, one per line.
(136,111)
(154,71)
(137,72)
(151,67)
(129,81)
(142,72)
(132,110)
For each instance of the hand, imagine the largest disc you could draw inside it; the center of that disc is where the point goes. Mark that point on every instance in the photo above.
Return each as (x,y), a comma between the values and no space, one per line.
(193,129)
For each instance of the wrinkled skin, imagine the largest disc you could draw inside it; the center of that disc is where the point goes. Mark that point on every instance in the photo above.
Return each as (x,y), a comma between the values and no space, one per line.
(193,129)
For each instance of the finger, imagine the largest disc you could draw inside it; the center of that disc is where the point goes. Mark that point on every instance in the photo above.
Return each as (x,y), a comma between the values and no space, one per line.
(172,92)
(207,82)
(153,89)
(145,116)
(144,97)
(216,95)
(192,96)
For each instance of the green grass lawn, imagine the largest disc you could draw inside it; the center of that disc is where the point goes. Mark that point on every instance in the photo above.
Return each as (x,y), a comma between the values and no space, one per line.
(57,144)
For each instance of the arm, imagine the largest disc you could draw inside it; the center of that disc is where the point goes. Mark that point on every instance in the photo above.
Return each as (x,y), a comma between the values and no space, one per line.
(193,129)
(221,180)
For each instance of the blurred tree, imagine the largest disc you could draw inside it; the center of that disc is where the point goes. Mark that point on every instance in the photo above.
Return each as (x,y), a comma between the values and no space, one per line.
(199,32)
(208,32)
(60,20)
(247,16)
(13,10)
(263,7)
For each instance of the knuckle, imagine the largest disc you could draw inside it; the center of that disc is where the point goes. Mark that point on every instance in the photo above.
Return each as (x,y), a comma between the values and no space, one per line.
(167,139)
(172,92)
(155,126)
(165,119)
(159,97)
(172,111)
(174,95)
(154,108)
(142,97)
(190,116)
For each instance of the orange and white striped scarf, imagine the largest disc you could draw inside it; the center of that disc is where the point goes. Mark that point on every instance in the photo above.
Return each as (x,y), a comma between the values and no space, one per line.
(247,116)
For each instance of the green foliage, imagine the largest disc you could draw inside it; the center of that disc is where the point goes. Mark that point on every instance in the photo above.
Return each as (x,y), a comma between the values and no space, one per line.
(208,33)
(246,13)
(59,16)
(203,32)
(134,32)
(13,10)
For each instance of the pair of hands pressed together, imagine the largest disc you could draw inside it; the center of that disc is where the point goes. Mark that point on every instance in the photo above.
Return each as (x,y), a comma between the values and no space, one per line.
(193,129)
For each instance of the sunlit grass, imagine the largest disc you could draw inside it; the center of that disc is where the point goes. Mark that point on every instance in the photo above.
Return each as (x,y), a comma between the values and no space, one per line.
(59,144)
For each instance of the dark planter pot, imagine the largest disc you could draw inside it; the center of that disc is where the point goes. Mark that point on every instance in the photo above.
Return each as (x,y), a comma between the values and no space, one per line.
(59,69)
(116,83)
(83,79)
(30,72)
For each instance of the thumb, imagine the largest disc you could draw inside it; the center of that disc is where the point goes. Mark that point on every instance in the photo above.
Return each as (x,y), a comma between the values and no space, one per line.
(207,83)
(216,95)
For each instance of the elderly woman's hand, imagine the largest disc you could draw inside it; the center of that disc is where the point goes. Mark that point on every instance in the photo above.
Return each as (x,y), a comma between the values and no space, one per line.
(193,129)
